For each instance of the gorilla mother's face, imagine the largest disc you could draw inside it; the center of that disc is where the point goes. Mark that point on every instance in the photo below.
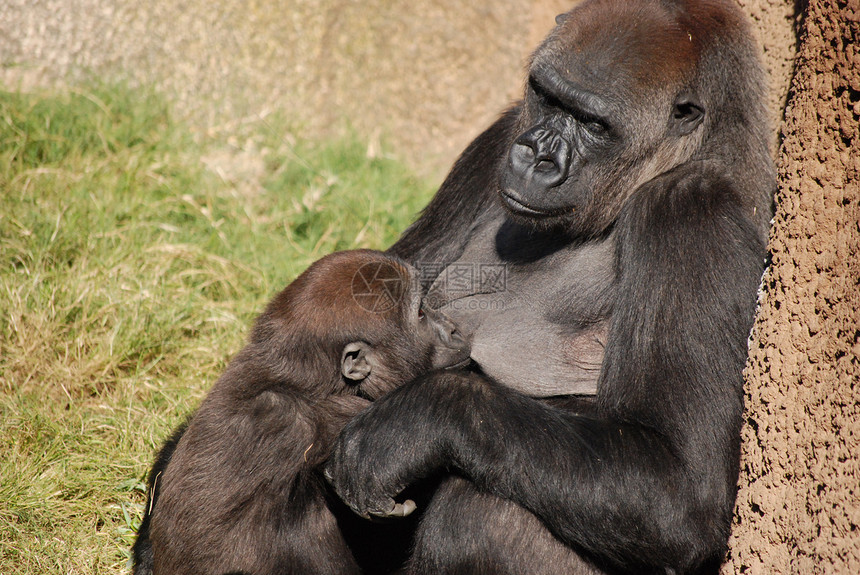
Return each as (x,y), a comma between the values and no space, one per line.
(605,110)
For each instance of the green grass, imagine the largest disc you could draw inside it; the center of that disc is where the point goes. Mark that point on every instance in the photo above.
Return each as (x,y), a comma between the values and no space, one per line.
(132,261)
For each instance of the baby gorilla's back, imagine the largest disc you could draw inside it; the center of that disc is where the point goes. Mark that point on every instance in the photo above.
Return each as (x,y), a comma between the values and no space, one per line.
(243,490)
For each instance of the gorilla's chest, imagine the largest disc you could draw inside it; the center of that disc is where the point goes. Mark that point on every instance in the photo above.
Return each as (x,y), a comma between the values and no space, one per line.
(535,306)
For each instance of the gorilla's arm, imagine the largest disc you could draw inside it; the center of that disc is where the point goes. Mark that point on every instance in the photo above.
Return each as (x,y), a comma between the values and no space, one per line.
(602,486)
(647,477)
(440,234)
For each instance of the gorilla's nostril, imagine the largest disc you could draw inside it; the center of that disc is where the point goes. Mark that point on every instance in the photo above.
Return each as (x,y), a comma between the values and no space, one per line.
(546,166)
(527,153)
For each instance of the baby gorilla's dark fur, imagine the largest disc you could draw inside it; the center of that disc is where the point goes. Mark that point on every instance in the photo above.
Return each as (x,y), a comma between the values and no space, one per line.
(243,491)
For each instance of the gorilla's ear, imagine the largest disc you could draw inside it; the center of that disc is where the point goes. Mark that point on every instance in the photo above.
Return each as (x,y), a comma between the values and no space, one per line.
(687,113)
(561,18)
(354,363)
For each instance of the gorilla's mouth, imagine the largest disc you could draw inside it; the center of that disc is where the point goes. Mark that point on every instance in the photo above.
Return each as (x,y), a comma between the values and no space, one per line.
(515,205)
(459,364)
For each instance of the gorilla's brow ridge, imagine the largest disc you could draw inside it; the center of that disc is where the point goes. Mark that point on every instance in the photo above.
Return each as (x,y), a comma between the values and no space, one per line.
(584,102)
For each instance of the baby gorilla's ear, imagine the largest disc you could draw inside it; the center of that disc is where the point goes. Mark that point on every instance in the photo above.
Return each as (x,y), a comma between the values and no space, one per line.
(354,362)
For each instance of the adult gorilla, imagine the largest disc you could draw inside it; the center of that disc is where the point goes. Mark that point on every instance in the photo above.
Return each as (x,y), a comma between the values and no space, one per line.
(628,197)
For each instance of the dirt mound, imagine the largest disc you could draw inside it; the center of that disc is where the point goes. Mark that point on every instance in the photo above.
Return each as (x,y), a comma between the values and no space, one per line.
(423,76)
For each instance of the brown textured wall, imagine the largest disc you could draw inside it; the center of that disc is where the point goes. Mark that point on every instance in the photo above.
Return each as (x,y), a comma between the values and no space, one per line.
(798,509)
(773,24)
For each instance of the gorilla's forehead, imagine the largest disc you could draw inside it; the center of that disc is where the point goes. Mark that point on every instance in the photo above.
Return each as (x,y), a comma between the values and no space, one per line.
(618,45)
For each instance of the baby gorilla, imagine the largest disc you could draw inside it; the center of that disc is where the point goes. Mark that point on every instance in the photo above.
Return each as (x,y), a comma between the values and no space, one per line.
(243,491)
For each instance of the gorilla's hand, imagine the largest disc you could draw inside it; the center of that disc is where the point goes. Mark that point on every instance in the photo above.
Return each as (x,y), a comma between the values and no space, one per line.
(402,437)
(380,452)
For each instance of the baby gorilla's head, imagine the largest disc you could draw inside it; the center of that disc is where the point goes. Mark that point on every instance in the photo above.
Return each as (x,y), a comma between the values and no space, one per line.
(359,314)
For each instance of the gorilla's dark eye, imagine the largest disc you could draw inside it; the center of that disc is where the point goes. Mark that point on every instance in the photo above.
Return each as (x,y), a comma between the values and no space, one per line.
(687,111)
(596,128)
(544,97)
(687,114)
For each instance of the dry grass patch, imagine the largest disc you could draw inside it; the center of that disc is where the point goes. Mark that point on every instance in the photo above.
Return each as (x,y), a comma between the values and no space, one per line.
(132,260)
